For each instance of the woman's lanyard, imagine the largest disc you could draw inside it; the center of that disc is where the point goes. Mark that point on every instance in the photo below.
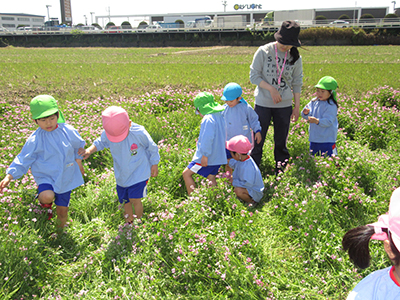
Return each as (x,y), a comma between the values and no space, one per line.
(279,72)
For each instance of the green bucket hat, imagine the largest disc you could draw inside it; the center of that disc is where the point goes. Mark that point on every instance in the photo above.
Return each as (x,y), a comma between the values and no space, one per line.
(328,83)
(205,103)
(43,106)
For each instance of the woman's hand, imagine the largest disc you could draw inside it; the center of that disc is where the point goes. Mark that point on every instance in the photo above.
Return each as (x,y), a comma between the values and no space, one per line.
(258,137)
(276,97)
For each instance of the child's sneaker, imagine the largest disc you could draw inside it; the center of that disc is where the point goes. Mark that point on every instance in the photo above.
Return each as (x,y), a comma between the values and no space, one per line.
(49,209)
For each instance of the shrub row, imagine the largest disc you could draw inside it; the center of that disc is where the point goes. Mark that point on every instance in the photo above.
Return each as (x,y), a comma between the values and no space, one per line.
(309,36)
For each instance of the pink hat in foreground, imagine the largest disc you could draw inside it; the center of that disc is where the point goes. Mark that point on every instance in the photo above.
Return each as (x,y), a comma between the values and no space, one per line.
(115,123)
(239,144)
(391,221)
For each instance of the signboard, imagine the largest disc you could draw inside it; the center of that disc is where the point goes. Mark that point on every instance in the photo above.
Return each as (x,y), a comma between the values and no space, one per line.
(66,14)
(247,6)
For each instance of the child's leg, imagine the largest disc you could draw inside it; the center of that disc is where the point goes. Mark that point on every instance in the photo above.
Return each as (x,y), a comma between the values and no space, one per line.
(228,168)
(243,194)
(62,215)
(128,209)
(213,179)
(189,181)
(46,199)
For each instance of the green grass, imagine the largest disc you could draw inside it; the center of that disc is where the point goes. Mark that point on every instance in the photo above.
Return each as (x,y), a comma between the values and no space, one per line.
(208,246)
(87,73)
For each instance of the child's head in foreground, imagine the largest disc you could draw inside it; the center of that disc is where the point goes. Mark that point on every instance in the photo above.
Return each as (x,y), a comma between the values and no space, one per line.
(204,103)
(239,146)
(45,112)
(386,229)
(116,123)
(232,94)
(326,89)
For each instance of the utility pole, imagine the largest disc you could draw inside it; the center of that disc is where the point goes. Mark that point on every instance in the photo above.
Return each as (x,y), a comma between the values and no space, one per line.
(48,14)
(91,15)
(109,17)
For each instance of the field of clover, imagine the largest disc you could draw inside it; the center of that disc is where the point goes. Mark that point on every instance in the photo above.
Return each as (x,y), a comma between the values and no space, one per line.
(208,245)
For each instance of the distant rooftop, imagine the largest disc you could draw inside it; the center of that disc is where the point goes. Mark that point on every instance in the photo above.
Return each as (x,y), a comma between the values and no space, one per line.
(22,15)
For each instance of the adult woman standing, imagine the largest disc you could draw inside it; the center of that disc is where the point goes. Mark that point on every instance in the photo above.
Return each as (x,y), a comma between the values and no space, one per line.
(278,73)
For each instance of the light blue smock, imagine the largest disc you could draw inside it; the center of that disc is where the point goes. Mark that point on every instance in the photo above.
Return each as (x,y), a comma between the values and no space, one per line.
(246,174)
(211,142)
(51,157)
(376,286)
(240,119)
(133,157)
(326,130)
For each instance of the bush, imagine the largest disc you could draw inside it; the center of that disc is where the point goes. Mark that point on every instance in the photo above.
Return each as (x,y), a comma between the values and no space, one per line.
(126,25)
(316,33)
(143,24)
(344,17)
(97,26)
(367,18)
(320,19)
(181,23)
(110,24)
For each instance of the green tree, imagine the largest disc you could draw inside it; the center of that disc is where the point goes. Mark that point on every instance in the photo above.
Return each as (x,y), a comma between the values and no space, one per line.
(97,26)
(181,23)
(269,18)
(367,18)
(344,17)
(143,24)
(320,19)
(110,24)
(391,16)
(126,25)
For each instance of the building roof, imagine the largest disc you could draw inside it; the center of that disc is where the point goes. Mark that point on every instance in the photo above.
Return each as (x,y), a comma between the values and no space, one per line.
(21,15)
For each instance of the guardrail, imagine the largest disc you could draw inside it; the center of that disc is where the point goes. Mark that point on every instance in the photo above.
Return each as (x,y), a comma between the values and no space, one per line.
(273,26)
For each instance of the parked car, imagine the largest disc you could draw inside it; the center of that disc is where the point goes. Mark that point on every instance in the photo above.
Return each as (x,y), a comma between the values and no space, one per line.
(113,29)
(153,28)
(340,23)
(89,28)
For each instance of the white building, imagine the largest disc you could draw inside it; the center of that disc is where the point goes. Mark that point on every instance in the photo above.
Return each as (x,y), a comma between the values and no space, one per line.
(13,21)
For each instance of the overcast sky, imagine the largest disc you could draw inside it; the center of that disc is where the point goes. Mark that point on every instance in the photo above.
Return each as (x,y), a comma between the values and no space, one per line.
(80,8)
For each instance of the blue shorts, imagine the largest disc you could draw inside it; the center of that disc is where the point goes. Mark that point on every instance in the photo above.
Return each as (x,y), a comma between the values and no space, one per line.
(228,154)
(60,199)
(203,171)
(136,191)
(323,149)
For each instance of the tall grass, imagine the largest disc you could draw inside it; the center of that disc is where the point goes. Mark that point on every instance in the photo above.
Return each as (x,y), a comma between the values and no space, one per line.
(207,246)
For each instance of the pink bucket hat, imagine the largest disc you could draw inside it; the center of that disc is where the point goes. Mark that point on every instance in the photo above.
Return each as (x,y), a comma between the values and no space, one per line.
(391,221)
(239,144)
(115,123)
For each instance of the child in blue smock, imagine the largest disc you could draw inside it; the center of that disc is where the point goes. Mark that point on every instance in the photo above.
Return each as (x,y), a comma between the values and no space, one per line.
(210,150)
(52,154)
(246,178)
(321,113)
(240,117)
(382,284)
(135,157)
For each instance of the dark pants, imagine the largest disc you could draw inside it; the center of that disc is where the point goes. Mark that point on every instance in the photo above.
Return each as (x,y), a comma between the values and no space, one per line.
(281,120)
